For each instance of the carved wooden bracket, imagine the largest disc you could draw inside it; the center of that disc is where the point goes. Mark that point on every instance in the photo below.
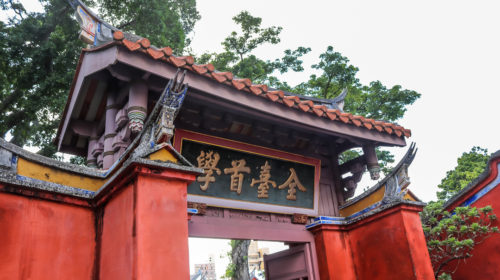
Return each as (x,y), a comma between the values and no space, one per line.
(201,207)
(299,219)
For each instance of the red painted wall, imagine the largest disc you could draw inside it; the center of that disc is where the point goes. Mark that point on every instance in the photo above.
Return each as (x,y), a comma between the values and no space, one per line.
(162,227)
(45,240)
(117,250)
(387,245)
(485,262)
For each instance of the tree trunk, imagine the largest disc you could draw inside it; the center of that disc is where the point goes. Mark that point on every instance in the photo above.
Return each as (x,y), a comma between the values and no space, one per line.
(239,256)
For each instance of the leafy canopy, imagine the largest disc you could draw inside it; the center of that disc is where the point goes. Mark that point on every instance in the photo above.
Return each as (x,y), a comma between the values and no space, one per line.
(39,51)
(451,237)
(469,166)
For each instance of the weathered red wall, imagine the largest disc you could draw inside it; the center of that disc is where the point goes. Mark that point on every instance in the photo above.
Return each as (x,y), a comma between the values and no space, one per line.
(116,256)
(145,230)
(162,228)
(45,240)
(387,245)
(485,262)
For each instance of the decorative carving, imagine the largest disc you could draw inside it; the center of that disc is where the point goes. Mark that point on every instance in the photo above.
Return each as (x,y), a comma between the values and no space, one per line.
(299,219)
(171,101)
(94,31)
(264,181)
(338,102)
(396,183)
(201,207)
(136,116)
(291,183)
(350,183)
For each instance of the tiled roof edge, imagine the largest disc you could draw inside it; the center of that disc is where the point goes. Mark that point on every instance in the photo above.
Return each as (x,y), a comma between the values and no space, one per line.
(165,54)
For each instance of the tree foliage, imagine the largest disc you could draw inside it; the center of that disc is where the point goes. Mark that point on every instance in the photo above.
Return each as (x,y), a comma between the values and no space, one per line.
(469,166)
(39,51)
(452,236)
(237,56)
(238,257)
(163,22)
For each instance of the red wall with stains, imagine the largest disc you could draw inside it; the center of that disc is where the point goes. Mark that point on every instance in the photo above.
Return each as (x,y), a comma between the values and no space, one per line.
(162,228)
(485,262)
(116,254)
(387,245)
(45,240)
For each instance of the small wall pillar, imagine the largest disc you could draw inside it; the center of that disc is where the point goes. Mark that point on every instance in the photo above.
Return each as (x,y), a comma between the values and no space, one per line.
(145,226)
(333,251)
(389,244)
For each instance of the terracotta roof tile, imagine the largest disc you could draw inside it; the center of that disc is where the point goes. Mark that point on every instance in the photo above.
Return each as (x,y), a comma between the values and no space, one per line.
(332,114)
(200,69)
(176,61)
(219,77)
(255,89)
(131,46)
(304,106)
(378,126)
(357,120)
(319,110)
(238,85)
(275,95)
(144,43)
(278,96)
(156,54)
(246,82)
(167,51)
(188,59)
(229,75)
(118,35)
(345,117)
(289,101)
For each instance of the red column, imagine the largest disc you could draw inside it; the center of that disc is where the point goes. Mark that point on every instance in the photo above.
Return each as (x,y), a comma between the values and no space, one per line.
(161,224)
(334,252)
(145,226)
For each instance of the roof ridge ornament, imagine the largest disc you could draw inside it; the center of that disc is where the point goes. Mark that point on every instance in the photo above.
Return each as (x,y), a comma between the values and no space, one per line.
(94,30)
(397,181)
(338,101)
(171,101)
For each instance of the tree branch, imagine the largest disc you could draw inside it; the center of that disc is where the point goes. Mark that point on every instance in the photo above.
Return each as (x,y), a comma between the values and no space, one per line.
(448,261)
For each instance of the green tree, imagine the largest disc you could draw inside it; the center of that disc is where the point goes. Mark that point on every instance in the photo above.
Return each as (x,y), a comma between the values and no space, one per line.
(39,51)
(237,56)
(163,22)
(469,166)
(238,260)
(452,236)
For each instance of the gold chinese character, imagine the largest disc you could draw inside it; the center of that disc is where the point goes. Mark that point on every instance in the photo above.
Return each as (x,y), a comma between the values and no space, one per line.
(265,175)
(291,183)
(208,162)
(237,177)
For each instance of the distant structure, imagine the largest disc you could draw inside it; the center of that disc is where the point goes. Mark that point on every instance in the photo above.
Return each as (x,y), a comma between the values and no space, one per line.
(204,271)
(256,256)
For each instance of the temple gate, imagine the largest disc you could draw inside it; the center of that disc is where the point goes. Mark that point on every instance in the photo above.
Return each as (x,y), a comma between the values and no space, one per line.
(177,149)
